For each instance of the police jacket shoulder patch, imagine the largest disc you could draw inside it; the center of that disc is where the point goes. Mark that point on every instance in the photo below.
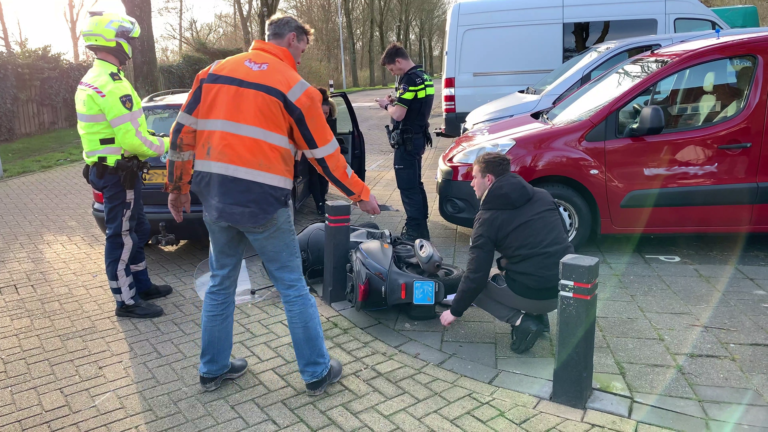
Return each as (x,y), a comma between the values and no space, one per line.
(127,101)
(115,77)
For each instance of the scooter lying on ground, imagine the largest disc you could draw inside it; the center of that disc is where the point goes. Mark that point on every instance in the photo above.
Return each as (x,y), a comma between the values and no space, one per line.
(384,270)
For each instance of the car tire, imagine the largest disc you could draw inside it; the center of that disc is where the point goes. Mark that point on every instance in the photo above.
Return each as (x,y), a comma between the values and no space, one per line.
(575,212)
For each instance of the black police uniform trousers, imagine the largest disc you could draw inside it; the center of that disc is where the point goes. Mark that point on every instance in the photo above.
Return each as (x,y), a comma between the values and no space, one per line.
(408,177)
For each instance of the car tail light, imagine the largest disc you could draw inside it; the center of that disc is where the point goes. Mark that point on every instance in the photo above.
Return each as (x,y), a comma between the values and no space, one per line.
(98,197)
(362,291)
(402,291)
(449,95)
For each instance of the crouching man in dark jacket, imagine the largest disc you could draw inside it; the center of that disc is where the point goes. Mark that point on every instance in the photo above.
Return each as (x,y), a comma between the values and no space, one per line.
(524,224)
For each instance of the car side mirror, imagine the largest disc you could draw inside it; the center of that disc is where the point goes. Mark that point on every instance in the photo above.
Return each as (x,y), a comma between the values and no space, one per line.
(650,122)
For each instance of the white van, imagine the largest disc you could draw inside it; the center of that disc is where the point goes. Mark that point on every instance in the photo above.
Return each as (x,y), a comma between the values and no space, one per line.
(497,47)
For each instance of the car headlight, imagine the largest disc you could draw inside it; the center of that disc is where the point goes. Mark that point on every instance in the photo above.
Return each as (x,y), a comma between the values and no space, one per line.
(471,154)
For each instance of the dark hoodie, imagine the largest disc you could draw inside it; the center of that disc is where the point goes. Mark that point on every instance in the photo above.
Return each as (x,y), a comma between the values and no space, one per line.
(524,224)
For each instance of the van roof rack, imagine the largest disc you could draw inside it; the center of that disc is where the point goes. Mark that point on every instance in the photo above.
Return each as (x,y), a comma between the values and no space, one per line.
(157,95)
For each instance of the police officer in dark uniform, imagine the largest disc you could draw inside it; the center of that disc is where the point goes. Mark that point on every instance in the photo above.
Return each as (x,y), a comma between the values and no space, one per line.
(410,135)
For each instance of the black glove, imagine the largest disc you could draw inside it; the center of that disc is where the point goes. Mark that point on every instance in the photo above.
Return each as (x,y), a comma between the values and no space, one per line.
(87,173)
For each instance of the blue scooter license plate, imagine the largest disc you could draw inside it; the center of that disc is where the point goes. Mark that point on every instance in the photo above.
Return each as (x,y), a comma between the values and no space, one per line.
(424,292)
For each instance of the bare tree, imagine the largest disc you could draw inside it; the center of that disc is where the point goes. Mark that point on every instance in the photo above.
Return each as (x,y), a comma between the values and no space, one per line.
(352,46)
(145,75)
(72,19)
(268,9)
(371,30)
(6,39)
(384,8)
(245,19)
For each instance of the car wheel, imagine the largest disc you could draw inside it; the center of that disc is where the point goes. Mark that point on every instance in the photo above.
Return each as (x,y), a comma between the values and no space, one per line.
(574,210)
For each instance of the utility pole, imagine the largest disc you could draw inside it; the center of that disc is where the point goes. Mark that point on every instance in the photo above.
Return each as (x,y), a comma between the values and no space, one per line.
(341,41)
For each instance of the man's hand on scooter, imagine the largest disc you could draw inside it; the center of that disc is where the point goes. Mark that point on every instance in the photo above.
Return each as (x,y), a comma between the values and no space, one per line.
(371,206)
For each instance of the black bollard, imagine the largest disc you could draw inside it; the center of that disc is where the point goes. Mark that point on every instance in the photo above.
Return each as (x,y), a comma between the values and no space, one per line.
(336,251)
(576,315)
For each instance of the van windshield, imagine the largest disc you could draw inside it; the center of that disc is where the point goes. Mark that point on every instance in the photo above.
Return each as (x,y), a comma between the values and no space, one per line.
(556,75)
(598,93)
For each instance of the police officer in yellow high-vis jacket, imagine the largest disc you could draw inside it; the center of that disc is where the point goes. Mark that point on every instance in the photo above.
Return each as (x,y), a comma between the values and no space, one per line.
(115,140)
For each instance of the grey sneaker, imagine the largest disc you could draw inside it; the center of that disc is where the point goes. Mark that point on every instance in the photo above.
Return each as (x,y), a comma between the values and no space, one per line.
(316,388)
(237,368)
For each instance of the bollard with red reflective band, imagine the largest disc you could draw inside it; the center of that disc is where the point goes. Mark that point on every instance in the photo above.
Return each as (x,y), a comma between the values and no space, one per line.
(336,251)
(576,315)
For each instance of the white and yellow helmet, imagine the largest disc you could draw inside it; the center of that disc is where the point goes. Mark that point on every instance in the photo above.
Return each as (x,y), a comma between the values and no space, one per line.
(111,32)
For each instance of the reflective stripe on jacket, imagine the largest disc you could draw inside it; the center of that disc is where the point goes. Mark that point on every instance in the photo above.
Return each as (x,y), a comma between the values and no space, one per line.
(241,127)
(110,120)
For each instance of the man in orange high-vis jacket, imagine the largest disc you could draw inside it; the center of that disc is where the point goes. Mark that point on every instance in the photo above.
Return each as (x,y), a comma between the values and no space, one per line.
(242,125)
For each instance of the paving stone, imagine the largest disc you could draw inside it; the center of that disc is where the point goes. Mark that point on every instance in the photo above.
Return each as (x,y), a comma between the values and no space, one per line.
(693,341)
(657,304)
(251,413)
(470,369)
(513,397)
(609,403)
(752,359)
(458,408)
(426,407)
(415,389)
(476,386)
(436,422)
(520,415)
(407,423)
(344,419)
(363,403)
(535,367)
(312,417)
(280,415)
(484,354)
(399,403)
(648,428)
(524,384)
(716,426)
(609,421)
(737,413)
(640,351)
(467,331)
(667,419)
(449,392)
(541,423)
(387,335)
(573,426)
(469,423)
(423,352)
(360,319)
(502,424)
(672,321)
(388,316)
(610,383)
(657,380)
(604,362)
(485,413)
(679,405)
(563,411)
(429,338)
(627,328)
(405,324)
(712,372)
(612,309)
(729,395)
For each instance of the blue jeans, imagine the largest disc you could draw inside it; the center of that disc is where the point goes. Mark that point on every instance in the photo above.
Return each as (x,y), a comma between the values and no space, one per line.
(275,242)
(127,232)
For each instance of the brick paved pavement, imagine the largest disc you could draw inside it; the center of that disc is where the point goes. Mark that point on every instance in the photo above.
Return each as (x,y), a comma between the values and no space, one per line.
(66,363)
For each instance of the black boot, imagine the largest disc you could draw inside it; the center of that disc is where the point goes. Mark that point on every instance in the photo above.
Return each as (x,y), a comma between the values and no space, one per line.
(139,309)
(156,292)
(544,320)
(237,368)
(316,388)
(525,334)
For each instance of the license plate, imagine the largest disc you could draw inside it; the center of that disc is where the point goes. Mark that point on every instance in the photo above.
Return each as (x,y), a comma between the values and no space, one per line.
(156,176)
(424,292)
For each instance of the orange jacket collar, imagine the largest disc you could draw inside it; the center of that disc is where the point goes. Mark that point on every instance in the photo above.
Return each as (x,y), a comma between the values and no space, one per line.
(275,51)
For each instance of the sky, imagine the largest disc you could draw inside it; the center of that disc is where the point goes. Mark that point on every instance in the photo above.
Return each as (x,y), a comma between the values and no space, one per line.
(42,21)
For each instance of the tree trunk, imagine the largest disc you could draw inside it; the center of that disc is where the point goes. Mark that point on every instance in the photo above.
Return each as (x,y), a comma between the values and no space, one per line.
(371,64)
(244,19)
(181,26)
(431,59)
(72,24)
(604,33)
(6,39)
(383,46)
(352,45)
(271,8)
(145,75)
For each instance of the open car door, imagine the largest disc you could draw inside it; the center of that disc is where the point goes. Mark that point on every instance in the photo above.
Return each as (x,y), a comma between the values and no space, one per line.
(348,134)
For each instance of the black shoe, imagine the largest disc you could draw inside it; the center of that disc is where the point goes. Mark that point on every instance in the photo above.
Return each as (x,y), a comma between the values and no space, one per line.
(316,388)
(525,335)
(156,292)
(412,234)
(544,320)
(139,309)
(237,368)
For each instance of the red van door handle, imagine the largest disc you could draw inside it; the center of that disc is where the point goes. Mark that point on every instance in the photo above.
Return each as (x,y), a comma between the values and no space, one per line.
(735,146)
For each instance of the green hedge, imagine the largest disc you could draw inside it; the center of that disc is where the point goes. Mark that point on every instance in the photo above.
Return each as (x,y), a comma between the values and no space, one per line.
(55,76)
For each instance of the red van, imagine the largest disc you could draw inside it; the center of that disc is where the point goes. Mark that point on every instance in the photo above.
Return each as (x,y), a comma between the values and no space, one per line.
(667,142)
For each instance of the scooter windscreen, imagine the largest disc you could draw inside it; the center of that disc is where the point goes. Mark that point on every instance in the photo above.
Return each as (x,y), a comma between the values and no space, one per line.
(253,284)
